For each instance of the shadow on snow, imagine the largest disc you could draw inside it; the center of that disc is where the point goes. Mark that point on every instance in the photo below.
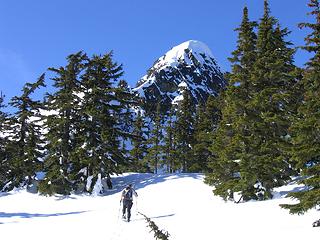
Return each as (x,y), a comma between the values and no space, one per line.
(162,216)
(35,215)
(138,180)
(282,194)
(141,180)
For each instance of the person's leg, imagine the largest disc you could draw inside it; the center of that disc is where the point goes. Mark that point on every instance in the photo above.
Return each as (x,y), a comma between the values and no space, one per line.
(124,208)
(129,206)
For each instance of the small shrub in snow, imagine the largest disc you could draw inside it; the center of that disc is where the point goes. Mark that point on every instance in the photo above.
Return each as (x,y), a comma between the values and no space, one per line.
(158,234)
(316,223)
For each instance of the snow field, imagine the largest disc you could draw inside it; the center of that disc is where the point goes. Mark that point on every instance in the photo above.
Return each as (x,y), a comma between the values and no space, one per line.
(180,204)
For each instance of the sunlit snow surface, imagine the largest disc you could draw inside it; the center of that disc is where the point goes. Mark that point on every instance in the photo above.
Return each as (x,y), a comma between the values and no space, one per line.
(181,204)
(177,53)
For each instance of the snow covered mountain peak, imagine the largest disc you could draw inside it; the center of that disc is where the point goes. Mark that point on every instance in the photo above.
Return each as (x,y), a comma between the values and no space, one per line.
(191,63)
(199,49)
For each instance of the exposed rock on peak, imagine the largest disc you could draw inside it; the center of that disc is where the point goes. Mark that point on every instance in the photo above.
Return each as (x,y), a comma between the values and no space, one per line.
(190,64)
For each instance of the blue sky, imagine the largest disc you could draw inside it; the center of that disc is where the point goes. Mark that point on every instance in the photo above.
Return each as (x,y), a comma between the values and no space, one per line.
(38,34)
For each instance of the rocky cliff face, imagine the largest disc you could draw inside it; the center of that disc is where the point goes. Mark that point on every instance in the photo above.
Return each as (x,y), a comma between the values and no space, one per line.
(188,66)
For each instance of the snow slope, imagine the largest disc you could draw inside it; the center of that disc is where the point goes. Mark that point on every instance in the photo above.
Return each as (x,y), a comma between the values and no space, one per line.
(181,204)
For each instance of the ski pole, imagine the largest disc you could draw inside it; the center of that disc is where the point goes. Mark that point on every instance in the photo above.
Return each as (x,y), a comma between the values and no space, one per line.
(119,209)
(137,210)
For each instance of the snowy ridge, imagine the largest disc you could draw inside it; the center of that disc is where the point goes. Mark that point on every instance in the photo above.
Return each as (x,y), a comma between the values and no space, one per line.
(178,203)
(191,63)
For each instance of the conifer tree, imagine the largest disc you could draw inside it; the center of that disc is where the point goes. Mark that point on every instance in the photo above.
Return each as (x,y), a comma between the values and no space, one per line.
(126,115)
(206,122)
(306,128)
(101,153)
(26,145)
(84,127)
(3,115)
(139,144)
(170,159)
(63,126)
(201,142)
(4,163)
(255,122)
(184,130)
(154,153)
(229,140)
(272,78)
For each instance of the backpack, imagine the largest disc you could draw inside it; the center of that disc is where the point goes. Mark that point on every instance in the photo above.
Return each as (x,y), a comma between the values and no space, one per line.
(128,194)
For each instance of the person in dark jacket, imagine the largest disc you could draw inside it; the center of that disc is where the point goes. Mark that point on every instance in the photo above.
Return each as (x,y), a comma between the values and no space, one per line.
(127,201)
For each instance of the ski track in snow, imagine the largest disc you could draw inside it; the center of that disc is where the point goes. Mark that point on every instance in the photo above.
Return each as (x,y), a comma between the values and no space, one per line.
(179,203)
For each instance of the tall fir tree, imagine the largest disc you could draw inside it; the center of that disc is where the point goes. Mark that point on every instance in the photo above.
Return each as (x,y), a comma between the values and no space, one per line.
(230,138)
(255,112)
(206,122)
(305,131)
(63,126)
(170,159)
(3,115)
(128,101)
(154,153)
(84,124)
(3,118)
(26,145)
(139,144)
(184,131)
(4,161)
(100,150)
(273,80)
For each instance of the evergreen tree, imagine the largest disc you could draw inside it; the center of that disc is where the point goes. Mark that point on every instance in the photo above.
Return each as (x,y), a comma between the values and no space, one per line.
(26,145)
(201,142)
(4,163)
(255,121)
(100,150)
(184,130)
(306,128)
(3,115)
(272,78)
(230,138)
(139,144)
(128,102)
(85,124)
(154,153)
(63,126)
(207,119)
(170,159)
